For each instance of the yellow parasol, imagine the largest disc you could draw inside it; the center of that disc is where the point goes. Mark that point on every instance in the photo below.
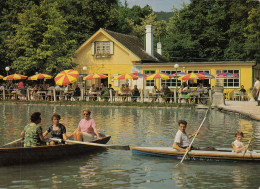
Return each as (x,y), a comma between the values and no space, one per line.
(66,77)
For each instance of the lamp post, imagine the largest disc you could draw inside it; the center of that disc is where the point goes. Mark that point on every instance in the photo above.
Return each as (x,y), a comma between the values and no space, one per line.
(176,66)
(84,71)
(7,69)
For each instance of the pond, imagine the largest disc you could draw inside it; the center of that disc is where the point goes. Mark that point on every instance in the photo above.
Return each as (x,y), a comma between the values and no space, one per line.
(121,169)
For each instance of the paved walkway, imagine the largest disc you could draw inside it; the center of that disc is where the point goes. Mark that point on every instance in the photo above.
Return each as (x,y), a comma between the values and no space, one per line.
(248,108)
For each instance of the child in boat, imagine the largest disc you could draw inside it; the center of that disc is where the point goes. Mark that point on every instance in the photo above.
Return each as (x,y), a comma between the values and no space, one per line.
(237,145)
(57,130)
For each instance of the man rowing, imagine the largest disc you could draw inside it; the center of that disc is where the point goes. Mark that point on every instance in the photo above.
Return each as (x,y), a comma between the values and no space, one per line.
(182,140)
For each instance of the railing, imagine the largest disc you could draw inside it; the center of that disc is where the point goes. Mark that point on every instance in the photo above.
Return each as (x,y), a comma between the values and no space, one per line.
(114,96)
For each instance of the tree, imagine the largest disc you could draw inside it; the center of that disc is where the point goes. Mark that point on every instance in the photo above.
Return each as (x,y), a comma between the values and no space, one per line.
(39,43)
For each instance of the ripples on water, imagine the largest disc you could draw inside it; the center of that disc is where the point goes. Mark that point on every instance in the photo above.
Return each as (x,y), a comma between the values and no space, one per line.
(120,169)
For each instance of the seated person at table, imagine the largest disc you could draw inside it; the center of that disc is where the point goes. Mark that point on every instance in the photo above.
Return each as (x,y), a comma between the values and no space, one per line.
(200,89)
(57,130)
(105,93)
(123,91)
(32,132)
(180,93)
(77,92)
(182,140)
(185,93)
(92,92)
(110,87)
(135,94)
(86,129)
(167,94)
(237,145)
(155,92)
(242,90)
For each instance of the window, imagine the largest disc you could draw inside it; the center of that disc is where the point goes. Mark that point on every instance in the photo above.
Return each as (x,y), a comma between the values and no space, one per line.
(151,82)
(171,82)
(205,82)
(230,82)
(102,49)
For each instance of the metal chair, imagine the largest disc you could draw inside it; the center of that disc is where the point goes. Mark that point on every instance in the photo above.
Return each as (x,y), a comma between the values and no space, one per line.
(236,95)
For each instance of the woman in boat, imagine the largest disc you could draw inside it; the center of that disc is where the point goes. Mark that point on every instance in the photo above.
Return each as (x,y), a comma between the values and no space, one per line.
(32,132)
(182,140)
(237,145)
(57,130)
(86,129)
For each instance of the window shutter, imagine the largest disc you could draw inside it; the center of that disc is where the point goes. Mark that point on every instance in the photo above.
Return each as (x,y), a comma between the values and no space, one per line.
(111,47)
(93,48)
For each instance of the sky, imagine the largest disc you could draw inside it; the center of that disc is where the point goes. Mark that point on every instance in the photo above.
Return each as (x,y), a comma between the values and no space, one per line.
(158,5)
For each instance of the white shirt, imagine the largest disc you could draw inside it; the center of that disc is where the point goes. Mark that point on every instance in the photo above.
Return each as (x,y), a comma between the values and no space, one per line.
(256,84)
(238,144)
(182,139)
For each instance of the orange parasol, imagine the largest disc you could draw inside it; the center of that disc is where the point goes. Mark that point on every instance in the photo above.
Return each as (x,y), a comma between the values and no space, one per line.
(15,77)
(95,76)
(40,76)
(1,77)
(66,77)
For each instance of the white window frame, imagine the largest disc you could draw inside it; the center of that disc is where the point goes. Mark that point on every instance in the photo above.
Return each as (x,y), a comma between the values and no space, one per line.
(198,71)
(171,82)
(232,83)
(102,47)
(149,83)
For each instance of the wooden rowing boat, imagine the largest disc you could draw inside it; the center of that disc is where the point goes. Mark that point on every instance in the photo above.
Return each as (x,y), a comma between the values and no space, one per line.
(15,153)
(219,154)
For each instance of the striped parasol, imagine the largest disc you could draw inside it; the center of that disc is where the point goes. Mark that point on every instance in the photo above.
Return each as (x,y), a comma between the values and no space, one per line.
(139,75)
(15,77)
(227,75)
(95,76)
(40,76)
(191,76)
(179,74)
(162,76)
(207,75)
(66,77)
(126,76)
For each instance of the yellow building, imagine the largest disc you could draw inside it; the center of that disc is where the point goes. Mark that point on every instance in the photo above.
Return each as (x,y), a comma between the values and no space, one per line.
(113,53)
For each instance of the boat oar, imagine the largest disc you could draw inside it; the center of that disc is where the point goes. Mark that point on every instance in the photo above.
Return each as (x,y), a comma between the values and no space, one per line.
(15,141)
(249,143)
(193,138)
(117,147)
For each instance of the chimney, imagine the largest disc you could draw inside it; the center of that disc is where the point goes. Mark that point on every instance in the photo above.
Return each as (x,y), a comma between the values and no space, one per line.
(159,48)
(149,39)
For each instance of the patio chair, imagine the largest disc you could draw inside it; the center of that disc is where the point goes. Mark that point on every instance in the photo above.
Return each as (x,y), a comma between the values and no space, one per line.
(236,95)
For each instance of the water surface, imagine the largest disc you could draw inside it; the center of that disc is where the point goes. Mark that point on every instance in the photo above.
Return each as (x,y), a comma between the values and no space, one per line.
(121,169)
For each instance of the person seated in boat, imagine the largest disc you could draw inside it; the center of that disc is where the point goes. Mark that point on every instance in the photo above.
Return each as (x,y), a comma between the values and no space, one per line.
(182,140)
(32,132)
(87,129)
(57,130)
(237,145)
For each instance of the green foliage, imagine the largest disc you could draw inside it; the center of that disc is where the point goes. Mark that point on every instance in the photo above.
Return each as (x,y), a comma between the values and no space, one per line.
(42,35)
(39,42)
(213,30)
(164,15)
